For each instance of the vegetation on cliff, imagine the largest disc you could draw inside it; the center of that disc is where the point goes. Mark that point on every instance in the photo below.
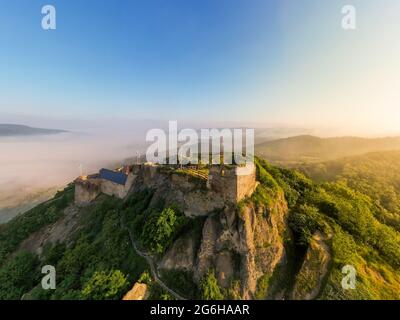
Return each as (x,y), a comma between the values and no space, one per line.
(160,228)
(358,238)
(98,261)
(376,175)
(210,289)
(106,285)
(91,265)
(19,228)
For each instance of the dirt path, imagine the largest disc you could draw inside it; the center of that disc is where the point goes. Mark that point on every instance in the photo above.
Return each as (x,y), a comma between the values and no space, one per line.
(150,261)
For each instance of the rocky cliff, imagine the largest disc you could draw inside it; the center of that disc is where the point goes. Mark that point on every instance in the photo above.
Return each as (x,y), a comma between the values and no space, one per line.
(241,243)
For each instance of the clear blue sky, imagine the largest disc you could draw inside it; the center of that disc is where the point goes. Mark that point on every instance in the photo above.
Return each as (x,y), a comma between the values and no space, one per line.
(253,60)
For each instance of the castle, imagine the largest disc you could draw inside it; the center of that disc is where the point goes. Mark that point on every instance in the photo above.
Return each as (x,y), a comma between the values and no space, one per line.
(231,182)
(112,183)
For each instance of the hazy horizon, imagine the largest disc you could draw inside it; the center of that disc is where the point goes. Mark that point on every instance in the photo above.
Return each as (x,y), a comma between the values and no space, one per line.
(112,125)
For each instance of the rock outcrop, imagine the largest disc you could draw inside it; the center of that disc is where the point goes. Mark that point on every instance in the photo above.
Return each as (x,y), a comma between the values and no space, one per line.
(314,269)
(181,255)
(238,244)
(60,231)
(139,291)
(262,248)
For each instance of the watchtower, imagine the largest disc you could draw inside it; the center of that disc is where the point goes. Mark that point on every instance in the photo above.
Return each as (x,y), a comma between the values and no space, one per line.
(234,182)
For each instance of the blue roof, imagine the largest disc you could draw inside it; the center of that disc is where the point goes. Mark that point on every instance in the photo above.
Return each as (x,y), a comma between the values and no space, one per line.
(113,176)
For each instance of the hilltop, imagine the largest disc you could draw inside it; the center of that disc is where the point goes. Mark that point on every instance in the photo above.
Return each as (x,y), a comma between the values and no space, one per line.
(289,239)
(306,148)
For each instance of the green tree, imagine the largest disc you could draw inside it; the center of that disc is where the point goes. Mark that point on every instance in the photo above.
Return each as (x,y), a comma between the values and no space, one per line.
(304,221)
(145,277)
(161,228)
(106,286)
(18,275)
(209,287)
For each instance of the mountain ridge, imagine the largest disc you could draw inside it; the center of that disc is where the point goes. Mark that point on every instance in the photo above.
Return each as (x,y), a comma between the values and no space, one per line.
(8,129)
(308,148)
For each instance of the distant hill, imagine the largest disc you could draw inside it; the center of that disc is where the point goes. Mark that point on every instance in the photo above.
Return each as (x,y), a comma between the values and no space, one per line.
(308,148)
(375,174)
(7,130)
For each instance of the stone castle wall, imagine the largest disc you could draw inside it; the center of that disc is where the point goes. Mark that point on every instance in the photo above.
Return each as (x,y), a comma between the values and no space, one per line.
(223,181)
(235,183)
(229,183)
(245,181)
(112,189)
(85,192)
(118,190)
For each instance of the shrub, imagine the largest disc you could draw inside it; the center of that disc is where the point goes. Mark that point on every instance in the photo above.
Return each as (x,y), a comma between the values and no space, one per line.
(18,275)
(209,287)
(161,228)
(304,221)
(106,286)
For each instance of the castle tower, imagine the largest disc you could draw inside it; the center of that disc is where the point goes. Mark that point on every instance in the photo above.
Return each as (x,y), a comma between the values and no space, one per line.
(233,182)
(86,189)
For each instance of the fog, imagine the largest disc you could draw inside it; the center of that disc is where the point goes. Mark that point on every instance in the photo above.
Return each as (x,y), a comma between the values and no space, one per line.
(54,160)
(32,168)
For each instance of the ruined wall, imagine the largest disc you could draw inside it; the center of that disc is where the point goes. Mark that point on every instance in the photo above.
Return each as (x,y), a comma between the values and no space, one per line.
(115,189)
(112,189)
(245,181)
(129,182)
(85,193)
(227,183)
(235,183)
(149,173)
(223,181)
